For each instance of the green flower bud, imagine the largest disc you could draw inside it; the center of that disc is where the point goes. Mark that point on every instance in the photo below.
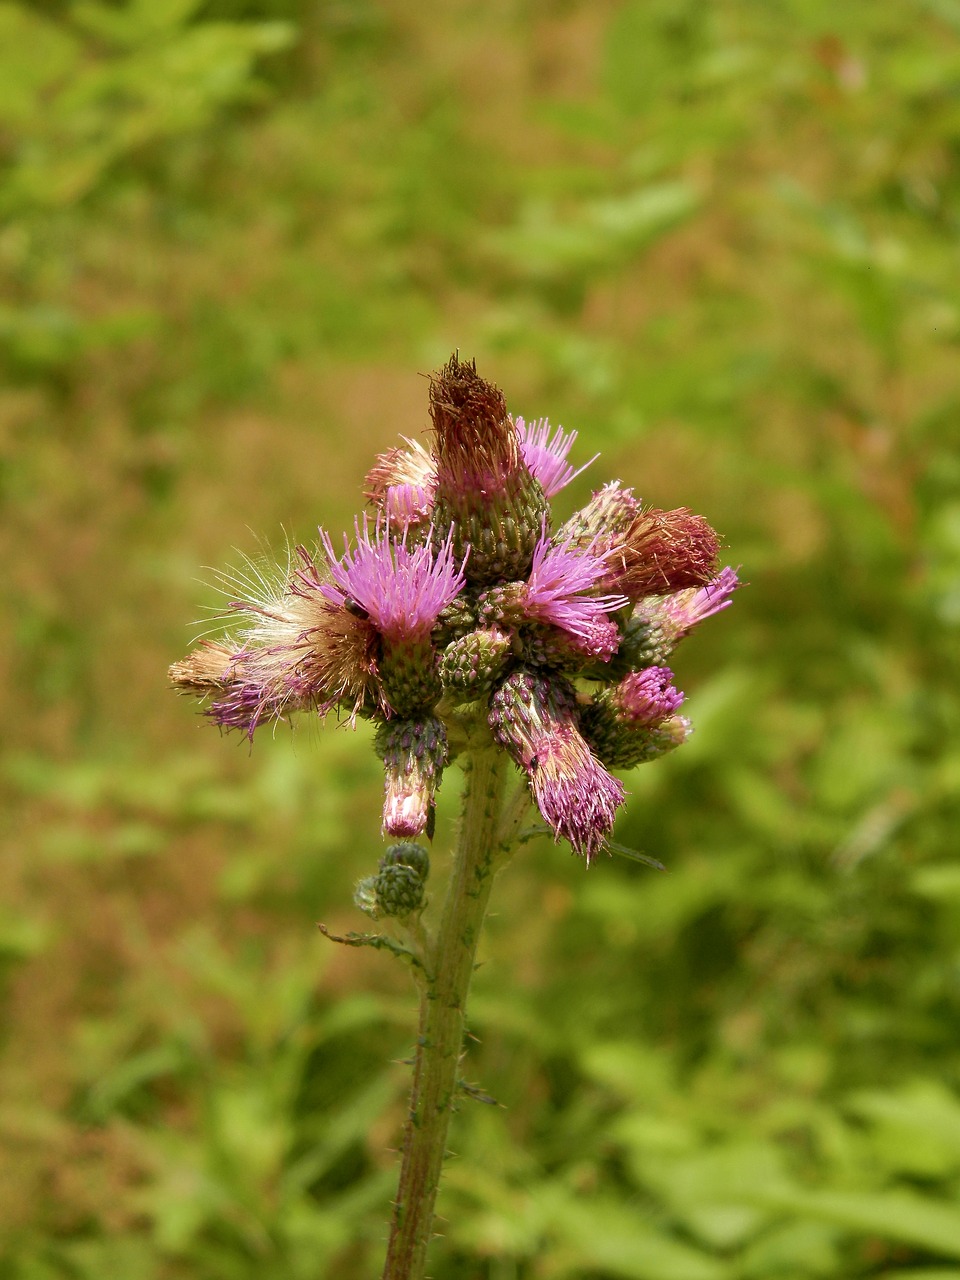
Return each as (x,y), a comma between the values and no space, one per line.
(645,643)
(399,890)
(408,674)
(454,621)
(471,665)
(407,854)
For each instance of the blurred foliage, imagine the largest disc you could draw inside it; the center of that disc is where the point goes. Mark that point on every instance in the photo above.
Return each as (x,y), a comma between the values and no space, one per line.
(723,242)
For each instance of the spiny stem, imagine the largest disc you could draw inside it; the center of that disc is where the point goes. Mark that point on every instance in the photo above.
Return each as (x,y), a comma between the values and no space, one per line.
(449,963)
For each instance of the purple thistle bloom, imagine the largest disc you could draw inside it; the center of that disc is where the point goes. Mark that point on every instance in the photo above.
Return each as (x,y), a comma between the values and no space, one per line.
(402,590)
(647,697)
(534,718)
(245,706)
(554,590)
(575,794)
(546,455)
(635,721)
(414,755)
(258,685)
(683,610)
(406,504)
(401,485)
(599,639)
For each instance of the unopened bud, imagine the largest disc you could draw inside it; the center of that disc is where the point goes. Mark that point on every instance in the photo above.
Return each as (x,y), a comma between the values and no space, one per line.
(398,889)
(365,896)
(471,665)
(459,617)
(608,514)
(408,676)
(407,854)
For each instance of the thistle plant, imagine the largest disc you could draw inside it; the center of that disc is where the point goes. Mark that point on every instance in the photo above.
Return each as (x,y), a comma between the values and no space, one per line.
(465,623)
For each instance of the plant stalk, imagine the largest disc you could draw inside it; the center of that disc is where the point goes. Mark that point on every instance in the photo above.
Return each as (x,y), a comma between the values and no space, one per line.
(449,964)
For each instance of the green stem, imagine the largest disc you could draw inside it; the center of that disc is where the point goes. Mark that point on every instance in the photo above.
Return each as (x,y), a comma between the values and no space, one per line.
(449,964)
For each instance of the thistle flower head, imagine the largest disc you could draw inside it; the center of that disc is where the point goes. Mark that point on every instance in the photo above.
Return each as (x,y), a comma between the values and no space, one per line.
(453,614)
(476,443)
(634,721)
(687,609)
(243,695)
(414,755)
(401,589)
(546,454)
(561,588)
(485,494)
(660,552)
(290,650)
(534,719)
(675,616)
(647,697)
(401,485)
(606,517)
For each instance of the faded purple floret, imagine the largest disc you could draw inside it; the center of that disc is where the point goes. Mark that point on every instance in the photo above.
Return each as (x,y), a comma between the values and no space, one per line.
(600,638)
(546,455)
(414,755)
(401,589)
(554,592)
(401,485)
(245,705)
(406,504)
(534,718)
(685,609)
(575,794)
(647,697)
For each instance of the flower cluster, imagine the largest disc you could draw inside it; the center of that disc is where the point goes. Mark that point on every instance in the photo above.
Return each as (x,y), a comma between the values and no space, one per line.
(458,613)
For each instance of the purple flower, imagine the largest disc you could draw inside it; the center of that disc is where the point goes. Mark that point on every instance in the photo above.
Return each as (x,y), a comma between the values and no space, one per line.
(401,485)
(244,694)
(680,612)
(647,697)
(401,589)
(636,720)
(554,592)
(534,718)
(546,455)
(245,705)
(575,794)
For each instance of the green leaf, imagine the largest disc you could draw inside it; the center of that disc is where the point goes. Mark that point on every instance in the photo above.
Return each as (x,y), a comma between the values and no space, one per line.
(597,236)
(941,881)
(916,1130)
(26,76)
(610,1236)
(912,1219)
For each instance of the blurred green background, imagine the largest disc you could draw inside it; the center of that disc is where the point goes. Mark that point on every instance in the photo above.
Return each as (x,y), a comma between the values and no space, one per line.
(723,242)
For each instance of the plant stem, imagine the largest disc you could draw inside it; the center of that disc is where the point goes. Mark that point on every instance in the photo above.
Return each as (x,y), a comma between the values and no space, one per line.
(449,965)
